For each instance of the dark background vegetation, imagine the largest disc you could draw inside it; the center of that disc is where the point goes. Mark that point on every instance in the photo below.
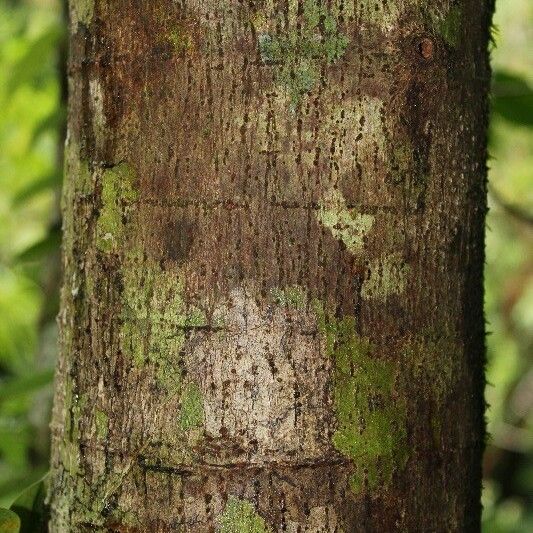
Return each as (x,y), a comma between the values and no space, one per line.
(32,113)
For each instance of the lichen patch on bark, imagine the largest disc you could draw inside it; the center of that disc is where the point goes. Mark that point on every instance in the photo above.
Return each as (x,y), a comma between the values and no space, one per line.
(82,11)
(344,223)
(389,15)
(101,421)
(118,193)
(292,296)
(240,516)
(369,407)
(387,277)
(155,317)
(310,40)
(371,138)
(192,407)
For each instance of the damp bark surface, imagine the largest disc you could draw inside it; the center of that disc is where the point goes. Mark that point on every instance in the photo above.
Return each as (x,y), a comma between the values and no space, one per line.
(273,253)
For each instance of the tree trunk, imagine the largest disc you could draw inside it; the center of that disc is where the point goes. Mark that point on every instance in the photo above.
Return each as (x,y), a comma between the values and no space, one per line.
(273,255)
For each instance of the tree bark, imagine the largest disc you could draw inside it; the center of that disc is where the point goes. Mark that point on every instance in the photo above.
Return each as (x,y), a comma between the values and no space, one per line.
(273,267)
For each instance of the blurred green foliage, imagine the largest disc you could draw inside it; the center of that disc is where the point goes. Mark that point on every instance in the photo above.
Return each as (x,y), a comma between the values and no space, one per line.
(31,131)
(31,114)
(508,464)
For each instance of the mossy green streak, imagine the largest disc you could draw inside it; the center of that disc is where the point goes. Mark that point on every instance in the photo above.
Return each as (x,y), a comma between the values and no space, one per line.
(180,40)
(192,407)
(292,296)
(371,420)
(101,421)
(83,11)
(240,516)
(155,316)
(449,26)
(118,192)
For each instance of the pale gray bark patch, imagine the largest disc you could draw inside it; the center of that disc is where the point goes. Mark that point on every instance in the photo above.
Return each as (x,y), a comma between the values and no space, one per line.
(264,379)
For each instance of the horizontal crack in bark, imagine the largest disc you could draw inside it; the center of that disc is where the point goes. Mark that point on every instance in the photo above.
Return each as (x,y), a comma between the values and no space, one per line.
(266,465)
(230,205)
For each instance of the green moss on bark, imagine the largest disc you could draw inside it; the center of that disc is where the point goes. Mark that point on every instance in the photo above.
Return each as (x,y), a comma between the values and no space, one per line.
(446,21)
(77,172)
(118,193)
(83,11)
(192,407)
(240,516)
(87,500)
(292,296)
(74,409)
(155,317)
(449,26)
(180,39)
(371,417)
(101,421)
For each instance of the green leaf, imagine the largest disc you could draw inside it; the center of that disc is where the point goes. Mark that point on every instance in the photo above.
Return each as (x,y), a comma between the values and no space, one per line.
(31,508)
(512,98)
(9,521)
(13,481)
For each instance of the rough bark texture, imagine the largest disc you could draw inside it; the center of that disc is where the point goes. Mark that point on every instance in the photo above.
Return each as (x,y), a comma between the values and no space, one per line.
(272,305)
